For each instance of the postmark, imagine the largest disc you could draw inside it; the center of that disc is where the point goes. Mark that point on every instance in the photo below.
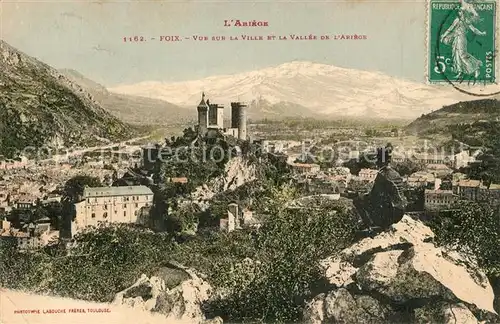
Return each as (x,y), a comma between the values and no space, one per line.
(462,44)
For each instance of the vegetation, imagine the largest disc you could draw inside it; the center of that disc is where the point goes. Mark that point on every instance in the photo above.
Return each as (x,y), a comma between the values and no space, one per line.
(284,254)
(440,121)
(472,228)
(73,188)
(53,211)
(286,270)
(365,161)
(486,135)
(407,167)
(37,108)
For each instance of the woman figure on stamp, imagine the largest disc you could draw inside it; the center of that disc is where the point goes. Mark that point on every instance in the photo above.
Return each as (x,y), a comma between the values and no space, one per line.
(456,36)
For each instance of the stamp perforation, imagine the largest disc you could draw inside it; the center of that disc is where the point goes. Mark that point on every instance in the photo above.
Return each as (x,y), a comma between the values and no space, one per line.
(459,58)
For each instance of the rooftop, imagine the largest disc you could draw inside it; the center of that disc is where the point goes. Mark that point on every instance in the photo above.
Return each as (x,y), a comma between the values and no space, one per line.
(469,183)
(431,156)
(305,165)
(437,166)
(116,191)
(179,180)
(371,171)
(439,191)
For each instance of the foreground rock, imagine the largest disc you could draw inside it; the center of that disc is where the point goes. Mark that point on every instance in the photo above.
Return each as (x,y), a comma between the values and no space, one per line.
(401,276)
(175,292)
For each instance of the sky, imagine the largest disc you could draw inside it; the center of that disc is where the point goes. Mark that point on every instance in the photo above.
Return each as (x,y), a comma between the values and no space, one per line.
(88,36)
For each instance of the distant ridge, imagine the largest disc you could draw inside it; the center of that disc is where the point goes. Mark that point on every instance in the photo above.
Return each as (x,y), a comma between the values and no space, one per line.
(466,112)
(132,109)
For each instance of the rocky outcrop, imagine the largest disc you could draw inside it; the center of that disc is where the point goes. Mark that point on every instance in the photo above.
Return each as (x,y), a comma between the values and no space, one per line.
(400,275)
(176,293)
(237,172)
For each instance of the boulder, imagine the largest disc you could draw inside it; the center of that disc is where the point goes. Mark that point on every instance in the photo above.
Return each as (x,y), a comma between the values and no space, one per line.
(176,293)
(340,306)
(445,313)
(400,275)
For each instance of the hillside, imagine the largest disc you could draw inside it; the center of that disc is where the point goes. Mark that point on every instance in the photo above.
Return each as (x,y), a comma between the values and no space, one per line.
(327,91)
(466,112)
(259,109)
(41,107)
(132,109)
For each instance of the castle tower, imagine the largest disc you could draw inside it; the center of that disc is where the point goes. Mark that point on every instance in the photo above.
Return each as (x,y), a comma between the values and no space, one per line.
(220,116)
(202,116)
(235,112)
(239,119)
(216,116)
(242,123)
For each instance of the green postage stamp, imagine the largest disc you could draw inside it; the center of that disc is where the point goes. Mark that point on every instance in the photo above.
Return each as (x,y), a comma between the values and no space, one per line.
(462,41)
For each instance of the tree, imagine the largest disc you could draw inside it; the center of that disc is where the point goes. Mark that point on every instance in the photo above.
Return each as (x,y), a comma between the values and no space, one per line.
(474,229)
(365,161)
(407,167)
(108,259)
(73,189)
(71,193)
(289,247)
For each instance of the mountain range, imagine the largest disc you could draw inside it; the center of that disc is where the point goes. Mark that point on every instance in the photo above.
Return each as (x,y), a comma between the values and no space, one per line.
(40,107)
(132,109)
(307,89)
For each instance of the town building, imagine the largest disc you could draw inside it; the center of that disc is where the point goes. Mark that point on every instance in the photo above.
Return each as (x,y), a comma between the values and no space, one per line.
(438,199)
(326,185)
(31,236)
(433,158)
(111,205)
(19,163)
(464,158)
(305,168)
(177,180)
(368,175)
(467,189)
(439,170)
(421,178)
(399,157)
(25,202)
(237,219)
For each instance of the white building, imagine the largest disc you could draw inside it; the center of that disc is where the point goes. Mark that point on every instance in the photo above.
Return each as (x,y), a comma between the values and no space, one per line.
(439,198)
(463,159)
(112,205)
(421,178)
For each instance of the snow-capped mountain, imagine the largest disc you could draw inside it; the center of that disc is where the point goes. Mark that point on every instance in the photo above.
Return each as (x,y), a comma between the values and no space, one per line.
(322,89)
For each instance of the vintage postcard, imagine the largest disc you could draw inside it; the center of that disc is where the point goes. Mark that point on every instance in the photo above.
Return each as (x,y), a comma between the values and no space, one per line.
(217,161)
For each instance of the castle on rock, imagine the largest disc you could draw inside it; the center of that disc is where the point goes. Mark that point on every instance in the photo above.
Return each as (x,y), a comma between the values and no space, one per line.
(211,118)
